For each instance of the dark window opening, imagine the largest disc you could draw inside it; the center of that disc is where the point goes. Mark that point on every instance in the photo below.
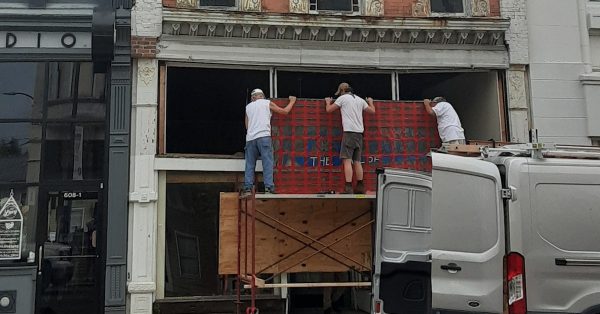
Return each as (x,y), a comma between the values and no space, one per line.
(217,3)
(192,237)
(206,109)
(321,85)
(447,6)
(334,5)
(474,96)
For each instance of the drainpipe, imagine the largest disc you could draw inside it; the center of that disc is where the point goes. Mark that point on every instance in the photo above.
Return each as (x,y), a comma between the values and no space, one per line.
(584,36)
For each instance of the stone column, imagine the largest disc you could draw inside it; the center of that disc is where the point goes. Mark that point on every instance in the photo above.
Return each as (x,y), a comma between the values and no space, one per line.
(147,28)
(517,38)
(143,195)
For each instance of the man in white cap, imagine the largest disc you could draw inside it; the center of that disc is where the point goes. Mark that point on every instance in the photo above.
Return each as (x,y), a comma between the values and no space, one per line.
(449,127)
(352,108)
(258,138)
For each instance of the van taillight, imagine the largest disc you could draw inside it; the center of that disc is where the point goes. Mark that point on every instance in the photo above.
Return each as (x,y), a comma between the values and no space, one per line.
(378,307)
(515,278)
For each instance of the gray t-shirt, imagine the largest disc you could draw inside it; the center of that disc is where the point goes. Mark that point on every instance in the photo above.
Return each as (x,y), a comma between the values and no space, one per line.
(352,108)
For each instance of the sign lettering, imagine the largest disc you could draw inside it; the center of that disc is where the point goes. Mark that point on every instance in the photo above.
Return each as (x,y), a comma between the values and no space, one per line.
(45,40)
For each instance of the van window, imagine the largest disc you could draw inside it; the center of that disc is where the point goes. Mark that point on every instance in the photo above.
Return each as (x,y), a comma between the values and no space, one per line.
(467,218)
(568,215)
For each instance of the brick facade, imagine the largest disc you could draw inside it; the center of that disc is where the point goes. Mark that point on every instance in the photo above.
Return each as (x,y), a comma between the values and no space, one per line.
(170,3)
(393,8)
(143,47)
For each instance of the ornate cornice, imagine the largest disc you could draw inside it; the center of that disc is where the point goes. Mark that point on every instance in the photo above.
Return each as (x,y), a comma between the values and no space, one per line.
(449,31)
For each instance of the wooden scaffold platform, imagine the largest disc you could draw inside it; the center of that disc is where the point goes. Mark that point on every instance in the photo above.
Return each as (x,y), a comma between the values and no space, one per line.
(273,234)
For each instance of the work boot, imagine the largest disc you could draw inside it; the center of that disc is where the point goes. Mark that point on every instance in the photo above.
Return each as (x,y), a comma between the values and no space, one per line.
(360,187)
(270,191)
(347,188)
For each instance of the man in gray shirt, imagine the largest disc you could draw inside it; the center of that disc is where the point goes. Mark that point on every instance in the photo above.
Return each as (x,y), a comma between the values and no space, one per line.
(351,107)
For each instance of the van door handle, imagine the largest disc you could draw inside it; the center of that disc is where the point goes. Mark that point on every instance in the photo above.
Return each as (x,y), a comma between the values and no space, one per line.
(451,268)
(576,262)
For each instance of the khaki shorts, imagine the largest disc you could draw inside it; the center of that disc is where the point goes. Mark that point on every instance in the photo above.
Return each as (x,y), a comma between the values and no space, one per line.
(352,146)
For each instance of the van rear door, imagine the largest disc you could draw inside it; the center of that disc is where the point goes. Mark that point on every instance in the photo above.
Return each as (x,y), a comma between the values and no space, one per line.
(402,268)
(467,235)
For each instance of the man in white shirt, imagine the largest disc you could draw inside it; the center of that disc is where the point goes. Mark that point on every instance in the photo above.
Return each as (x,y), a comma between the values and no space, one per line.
(258,139)
(351,107)
(449,127)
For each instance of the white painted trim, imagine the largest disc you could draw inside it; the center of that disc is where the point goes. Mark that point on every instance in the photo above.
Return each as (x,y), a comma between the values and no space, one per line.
(267,53)
(161,226)
(182,64)
(202,164)
(141,287)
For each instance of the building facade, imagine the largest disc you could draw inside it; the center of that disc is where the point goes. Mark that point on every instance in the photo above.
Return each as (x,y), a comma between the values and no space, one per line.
(564,65)
(196,61)
(64,146)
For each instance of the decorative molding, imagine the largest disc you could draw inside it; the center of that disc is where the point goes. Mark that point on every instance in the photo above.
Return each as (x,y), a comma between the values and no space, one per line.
(446,37)
(146,74)
(141,287)
(250,5)
(373,7)
(430,37)
(187,4)
(413,36)
(516,89)
(364,35)
(478,38)
(299,6)
(421,8)
(480,7)
(462,37)
(476,32)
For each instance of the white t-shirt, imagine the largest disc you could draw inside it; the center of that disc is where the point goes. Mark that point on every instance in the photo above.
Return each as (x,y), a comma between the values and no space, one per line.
(448,122)
(352,108)
(259,119)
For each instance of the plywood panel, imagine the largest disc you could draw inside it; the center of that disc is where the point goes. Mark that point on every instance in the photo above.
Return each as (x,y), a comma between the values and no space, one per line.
(290,224)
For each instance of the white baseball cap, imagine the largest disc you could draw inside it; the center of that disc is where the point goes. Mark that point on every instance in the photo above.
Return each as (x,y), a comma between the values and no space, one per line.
(256,91)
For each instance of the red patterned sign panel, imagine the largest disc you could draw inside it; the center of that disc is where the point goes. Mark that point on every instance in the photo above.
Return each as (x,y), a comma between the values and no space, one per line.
(307,144)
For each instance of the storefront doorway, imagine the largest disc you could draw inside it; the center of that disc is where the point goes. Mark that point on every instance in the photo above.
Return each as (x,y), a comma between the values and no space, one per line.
(70,271)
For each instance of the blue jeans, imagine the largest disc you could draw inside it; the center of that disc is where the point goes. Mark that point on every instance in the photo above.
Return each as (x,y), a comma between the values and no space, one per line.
(262,147)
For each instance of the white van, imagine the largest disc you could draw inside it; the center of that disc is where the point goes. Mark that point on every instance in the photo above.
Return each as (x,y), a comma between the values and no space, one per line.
(515,231)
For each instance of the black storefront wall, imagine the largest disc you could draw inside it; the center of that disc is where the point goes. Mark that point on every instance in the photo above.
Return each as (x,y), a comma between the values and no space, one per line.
(71,41)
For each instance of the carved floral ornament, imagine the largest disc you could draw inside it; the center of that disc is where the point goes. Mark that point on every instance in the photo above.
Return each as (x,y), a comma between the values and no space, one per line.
(480,7)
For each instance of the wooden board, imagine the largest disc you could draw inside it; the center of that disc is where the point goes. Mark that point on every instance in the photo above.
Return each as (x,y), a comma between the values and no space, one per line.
(312,217)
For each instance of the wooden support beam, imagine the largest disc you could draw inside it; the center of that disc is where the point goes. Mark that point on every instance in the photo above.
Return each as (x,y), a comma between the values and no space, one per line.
(311,285)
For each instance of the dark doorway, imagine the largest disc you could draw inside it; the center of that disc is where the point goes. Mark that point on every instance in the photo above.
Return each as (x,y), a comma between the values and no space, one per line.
(206,107)
(192,238)
(70,277)
(321,85)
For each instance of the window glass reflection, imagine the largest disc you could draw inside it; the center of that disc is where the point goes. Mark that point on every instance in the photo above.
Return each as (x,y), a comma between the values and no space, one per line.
(74,151)
(20,152)
(76,92)
(21,90)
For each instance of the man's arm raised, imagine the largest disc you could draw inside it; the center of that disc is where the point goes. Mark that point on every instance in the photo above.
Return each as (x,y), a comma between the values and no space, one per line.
(273,106)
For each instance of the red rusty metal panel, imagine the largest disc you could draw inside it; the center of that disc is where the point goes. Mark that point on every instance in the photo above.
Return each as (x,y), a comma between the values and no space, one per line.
(306,144)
